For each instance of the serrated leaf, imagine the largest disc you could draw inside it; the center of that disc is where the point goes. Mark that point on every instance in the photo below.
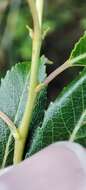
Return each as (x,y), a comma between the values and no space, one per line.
(79,50)
(13,96)
(65,118)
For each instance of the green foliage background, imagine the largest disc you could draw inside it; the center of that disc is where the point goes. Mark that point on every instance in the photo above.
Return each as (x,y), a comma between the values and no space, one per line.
(59,15)
(67,22)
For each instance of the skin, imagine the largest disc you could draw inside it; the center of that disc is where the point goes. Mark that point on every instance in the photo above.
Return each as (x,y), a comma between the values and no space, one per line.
(61,166)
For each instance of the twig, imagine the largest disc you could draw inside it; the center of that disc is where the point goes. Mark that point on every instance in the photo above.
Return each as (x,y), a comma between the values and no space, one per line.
(25,122)
(69,63)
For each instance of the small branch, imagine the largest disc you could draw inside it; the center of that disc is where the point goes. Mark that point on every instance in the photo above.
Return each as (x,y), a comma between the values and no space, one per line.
(56,73)
(52,76)
(10,124)
(69,63)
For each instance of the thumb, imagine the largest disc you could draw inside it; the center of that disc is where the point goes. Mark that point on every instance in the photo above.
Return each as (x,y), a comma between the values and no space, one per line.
(60,166)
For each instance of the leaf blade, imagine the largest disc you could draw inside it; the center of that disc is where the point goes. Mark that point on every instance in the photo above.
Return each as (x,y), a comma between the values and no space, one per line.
(13,96)
(79,50)
(62,117)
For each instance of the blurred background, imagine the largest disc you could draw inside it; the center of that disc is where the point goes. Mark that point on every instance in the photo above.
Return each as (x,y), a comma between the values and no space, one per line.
(67,22)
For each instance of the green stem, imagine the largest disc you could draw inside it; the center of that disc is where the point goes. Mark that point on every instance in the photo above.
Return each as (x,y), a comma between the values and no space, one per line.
(25,123)
(69,63)
(52,76)
(40,13)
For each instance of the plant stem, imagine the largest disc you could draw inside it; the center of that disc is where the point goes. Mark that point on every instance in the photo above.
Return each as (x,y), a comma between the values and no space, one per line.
(40,13)
(54,74)
(25,123)
(69,63)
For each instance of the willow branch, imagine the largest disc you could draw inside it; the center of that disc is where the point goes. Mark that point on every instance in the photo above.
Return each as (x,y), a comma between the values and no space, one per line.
(27,116)
(40,7)
(69,63)
(33,9)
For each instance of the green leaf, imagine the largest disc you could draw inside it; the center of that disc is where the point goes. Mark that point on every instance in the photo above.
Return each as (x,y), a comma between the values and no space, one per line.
(79,52)
(13,96)
(65,118)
